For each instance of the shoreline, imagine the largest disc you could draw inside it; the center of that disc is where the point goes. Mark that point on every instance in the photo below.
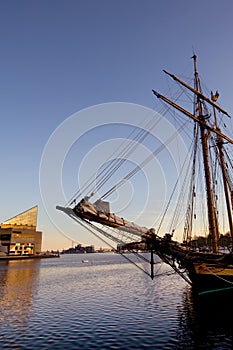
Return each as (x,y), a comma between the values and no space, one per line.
(26,257)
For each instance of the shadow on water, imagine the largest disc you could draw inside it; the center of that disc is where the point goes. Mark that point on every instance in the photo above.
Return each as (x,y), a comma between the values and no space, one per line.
(205,321)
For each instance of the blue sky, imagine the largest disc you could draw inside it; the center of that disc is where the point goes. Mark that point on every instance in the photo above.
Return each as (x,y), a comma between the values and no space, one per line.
(59,57)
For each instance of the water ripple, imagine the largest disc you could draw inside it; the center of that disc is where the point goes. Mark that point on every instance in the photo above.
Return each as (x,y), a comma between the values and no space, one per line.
(105,304)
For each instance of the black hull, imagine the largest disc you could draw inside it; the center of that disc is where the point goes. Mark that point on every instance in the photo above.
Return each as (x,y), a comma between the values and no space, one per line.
(204,283)
(206,271)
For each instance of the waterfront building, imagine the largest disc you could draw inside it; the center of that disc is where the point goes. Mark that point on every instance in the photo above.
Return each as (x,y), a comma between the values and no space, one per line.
(18,235)
(79,249)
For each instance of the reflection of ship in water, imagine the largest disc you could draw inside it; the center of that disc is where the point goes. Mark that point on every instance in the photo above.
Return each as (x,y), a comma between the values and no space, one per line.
(203,327)
(17,287)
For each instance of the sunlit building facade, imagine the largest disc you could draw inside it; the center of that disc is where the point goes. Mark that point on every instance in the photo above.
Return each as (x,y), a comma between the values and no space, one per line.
(18,235)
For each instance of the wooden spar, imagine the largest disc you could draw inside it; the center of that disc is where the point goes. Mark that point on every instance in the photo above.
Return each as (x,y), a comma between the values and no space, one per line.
(198,93)
(213,230)
(226,188)
(224,177)
(89,211)
(190,115)
(152,264)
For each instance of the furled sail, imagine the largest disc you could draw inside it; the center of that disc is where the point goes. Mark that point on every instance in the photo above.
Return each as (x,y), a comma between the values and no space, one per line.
(100,213)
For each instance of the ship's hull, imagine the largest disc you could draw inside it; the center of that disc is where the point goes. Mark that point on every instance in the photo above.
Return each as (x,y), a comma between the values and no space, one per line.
(206,276)
(206,271)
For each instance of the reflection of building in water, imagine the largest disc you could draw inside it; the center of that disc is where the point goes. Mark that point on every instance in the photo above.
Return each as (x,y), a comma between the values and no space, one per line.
(18,235)
(18,285)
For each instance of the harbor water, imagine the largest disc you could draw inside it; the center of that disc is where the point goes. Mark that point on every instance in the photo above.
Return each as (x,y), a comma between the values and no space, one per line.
(102,301)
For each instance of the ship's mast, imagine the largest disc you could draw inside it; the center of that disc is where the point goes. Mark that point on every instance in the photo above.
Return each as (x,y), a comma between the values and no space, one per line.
(204,141)
(205,130)
(224,177)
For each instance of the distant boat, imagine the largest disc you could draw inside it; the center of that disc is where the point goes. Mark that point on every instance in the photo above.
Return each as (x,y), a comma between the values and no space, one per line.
(85,261)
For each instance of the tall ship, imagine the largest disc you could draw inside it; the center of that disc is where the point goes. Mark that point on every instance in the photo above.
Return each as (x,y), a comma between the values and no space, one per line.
(205,262)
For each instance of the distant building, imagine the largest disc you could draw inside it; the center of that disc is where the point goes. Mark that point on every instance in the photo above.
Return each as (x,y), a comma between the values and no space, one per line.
(18,235)
(90,249)
(78,249)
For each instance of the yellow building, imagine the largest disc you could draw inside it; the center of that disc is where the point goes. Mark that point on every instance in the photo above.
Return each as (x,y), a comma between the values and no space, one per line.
(18,235)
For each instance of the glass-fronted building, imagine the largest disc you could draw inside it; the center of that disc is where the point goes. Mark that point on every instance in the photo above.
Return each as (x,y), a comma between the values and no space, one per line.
(18,235)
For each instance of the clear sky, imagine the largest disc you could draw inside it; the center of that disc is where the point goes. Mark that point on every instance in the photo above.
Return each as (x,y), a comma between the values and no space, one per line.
(59,57)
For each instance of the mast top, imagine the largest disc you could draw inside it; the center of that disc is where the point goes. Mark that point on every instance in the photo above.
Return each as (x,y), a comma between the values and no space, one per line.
(194,57)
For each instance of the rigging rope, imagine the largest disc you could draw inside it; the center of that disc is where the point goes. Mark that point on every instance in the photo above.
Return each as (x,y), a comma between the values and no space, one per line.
(229,180)
(124,156)
(82,221)
(179,204)
(143,163)
(192,191)
(171,196)
(114,164)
